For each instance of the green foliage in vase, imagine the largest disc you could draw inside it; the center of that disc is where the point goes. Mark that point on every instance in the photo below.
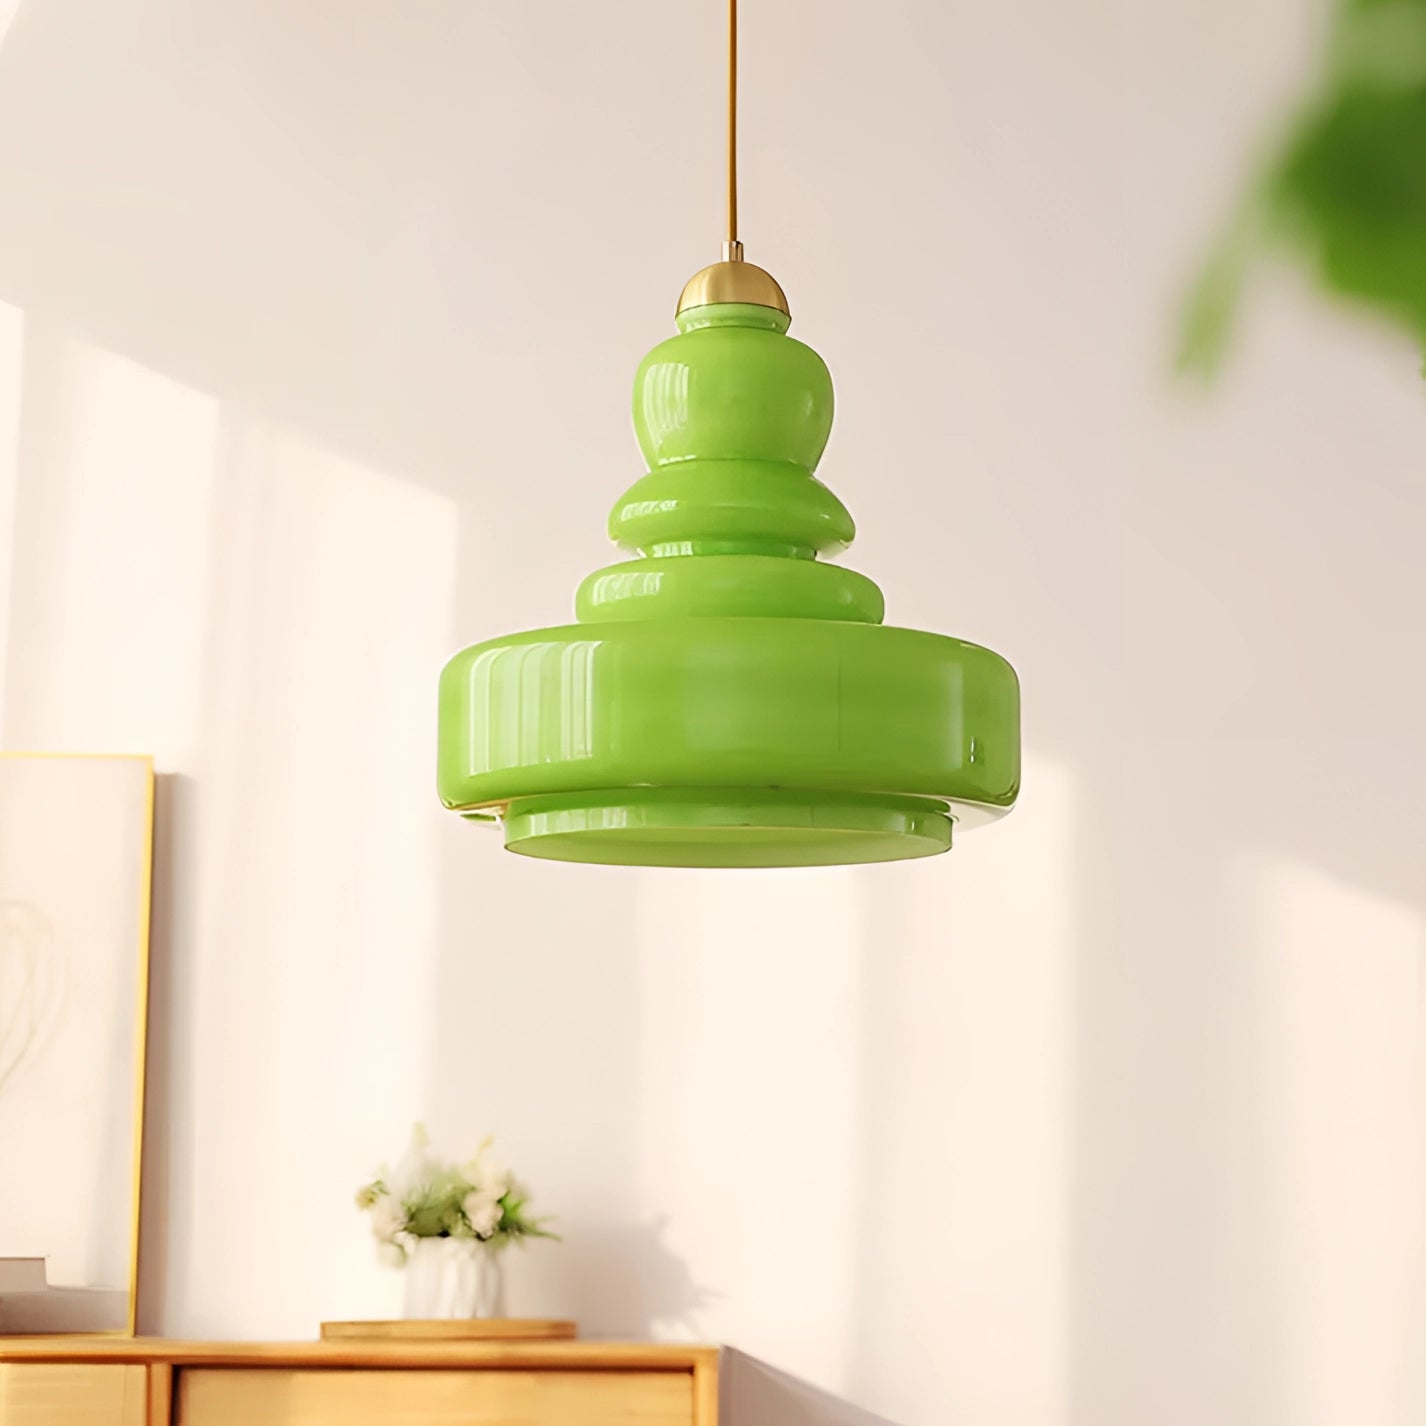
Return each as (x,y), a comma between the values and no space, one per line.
(1345,189)
(427,1197)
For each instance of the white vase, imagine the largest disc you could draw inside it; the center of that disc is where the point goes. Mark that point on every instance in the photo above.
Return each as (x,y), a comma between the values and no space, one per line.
(453,1277)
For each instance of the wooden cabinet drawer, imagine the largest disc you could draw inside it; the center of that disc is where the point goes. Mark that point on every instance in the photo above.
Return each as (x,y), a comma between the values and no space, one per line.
(373,1397)
(41,1394)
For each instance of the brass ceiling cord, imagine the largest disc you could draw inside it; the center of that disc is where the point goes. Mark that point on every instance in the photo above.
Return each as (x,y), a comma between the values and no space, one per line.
(732,279)
(732,248)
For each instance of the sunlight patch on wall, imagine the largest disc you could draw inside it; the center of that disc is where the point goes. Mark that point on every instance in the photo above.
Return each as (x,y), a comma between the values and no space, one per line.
(968,1182)
(12,341)
(268,619)
(112,540)
(751,1110)
(319,918)
(1341,1045)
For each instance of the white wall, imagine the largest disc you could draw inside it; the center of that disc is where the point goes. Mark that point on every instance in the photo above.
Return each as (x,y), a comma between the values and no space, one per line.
(318,328)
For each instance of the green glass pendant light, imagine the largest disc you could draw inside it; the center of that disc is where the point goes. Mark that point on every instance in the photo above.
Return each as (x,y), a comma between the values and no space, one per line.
(725,699)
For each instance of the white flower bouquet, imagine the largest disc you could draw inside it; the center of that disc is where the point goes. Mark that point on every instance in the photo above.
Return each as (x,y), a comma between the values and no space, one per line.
(427,1197)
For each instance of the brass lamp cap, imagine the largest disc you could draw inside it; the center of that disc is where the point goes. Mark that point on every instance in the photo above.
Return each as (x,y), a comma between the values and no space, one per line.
(736,281)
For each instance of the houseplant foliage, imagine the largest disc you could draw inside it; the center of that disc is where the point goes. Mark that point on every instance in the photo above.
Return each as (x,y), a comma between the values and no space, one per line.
(1345,188)
(445,1221)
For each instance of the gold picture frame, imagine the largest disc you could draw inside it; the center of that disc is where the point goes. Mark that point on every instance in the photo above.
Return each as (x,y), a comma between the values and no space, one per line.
(130,792)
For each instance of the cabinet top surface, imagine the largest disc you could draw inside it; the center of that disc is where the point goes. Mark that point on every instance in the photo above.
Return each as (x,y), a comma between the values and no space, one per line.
(547,1356)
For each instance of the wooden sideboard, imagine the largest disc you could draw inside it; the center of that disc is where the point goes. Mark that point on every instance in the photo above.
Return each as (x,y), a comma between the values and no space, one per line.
(146,1381)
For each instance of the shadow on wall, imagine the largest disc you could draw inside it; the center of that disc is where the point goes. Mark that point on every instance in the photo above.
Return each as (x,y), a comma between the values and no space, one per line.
(755,1394)
(625,1278)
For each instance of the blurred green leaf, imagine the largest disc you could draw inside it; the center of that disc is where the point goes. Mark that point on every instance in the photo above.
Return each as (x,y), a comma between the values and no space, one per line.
(1346,191)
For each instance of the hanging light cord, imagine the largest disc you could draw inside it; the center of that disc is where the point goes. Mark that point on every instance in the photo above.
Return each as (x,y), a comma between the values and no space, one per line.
(732,248)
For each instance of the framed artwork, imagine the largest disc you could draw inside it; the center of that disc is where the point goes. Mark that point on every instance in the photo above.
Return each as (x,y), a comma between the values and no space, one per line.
(76,851)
